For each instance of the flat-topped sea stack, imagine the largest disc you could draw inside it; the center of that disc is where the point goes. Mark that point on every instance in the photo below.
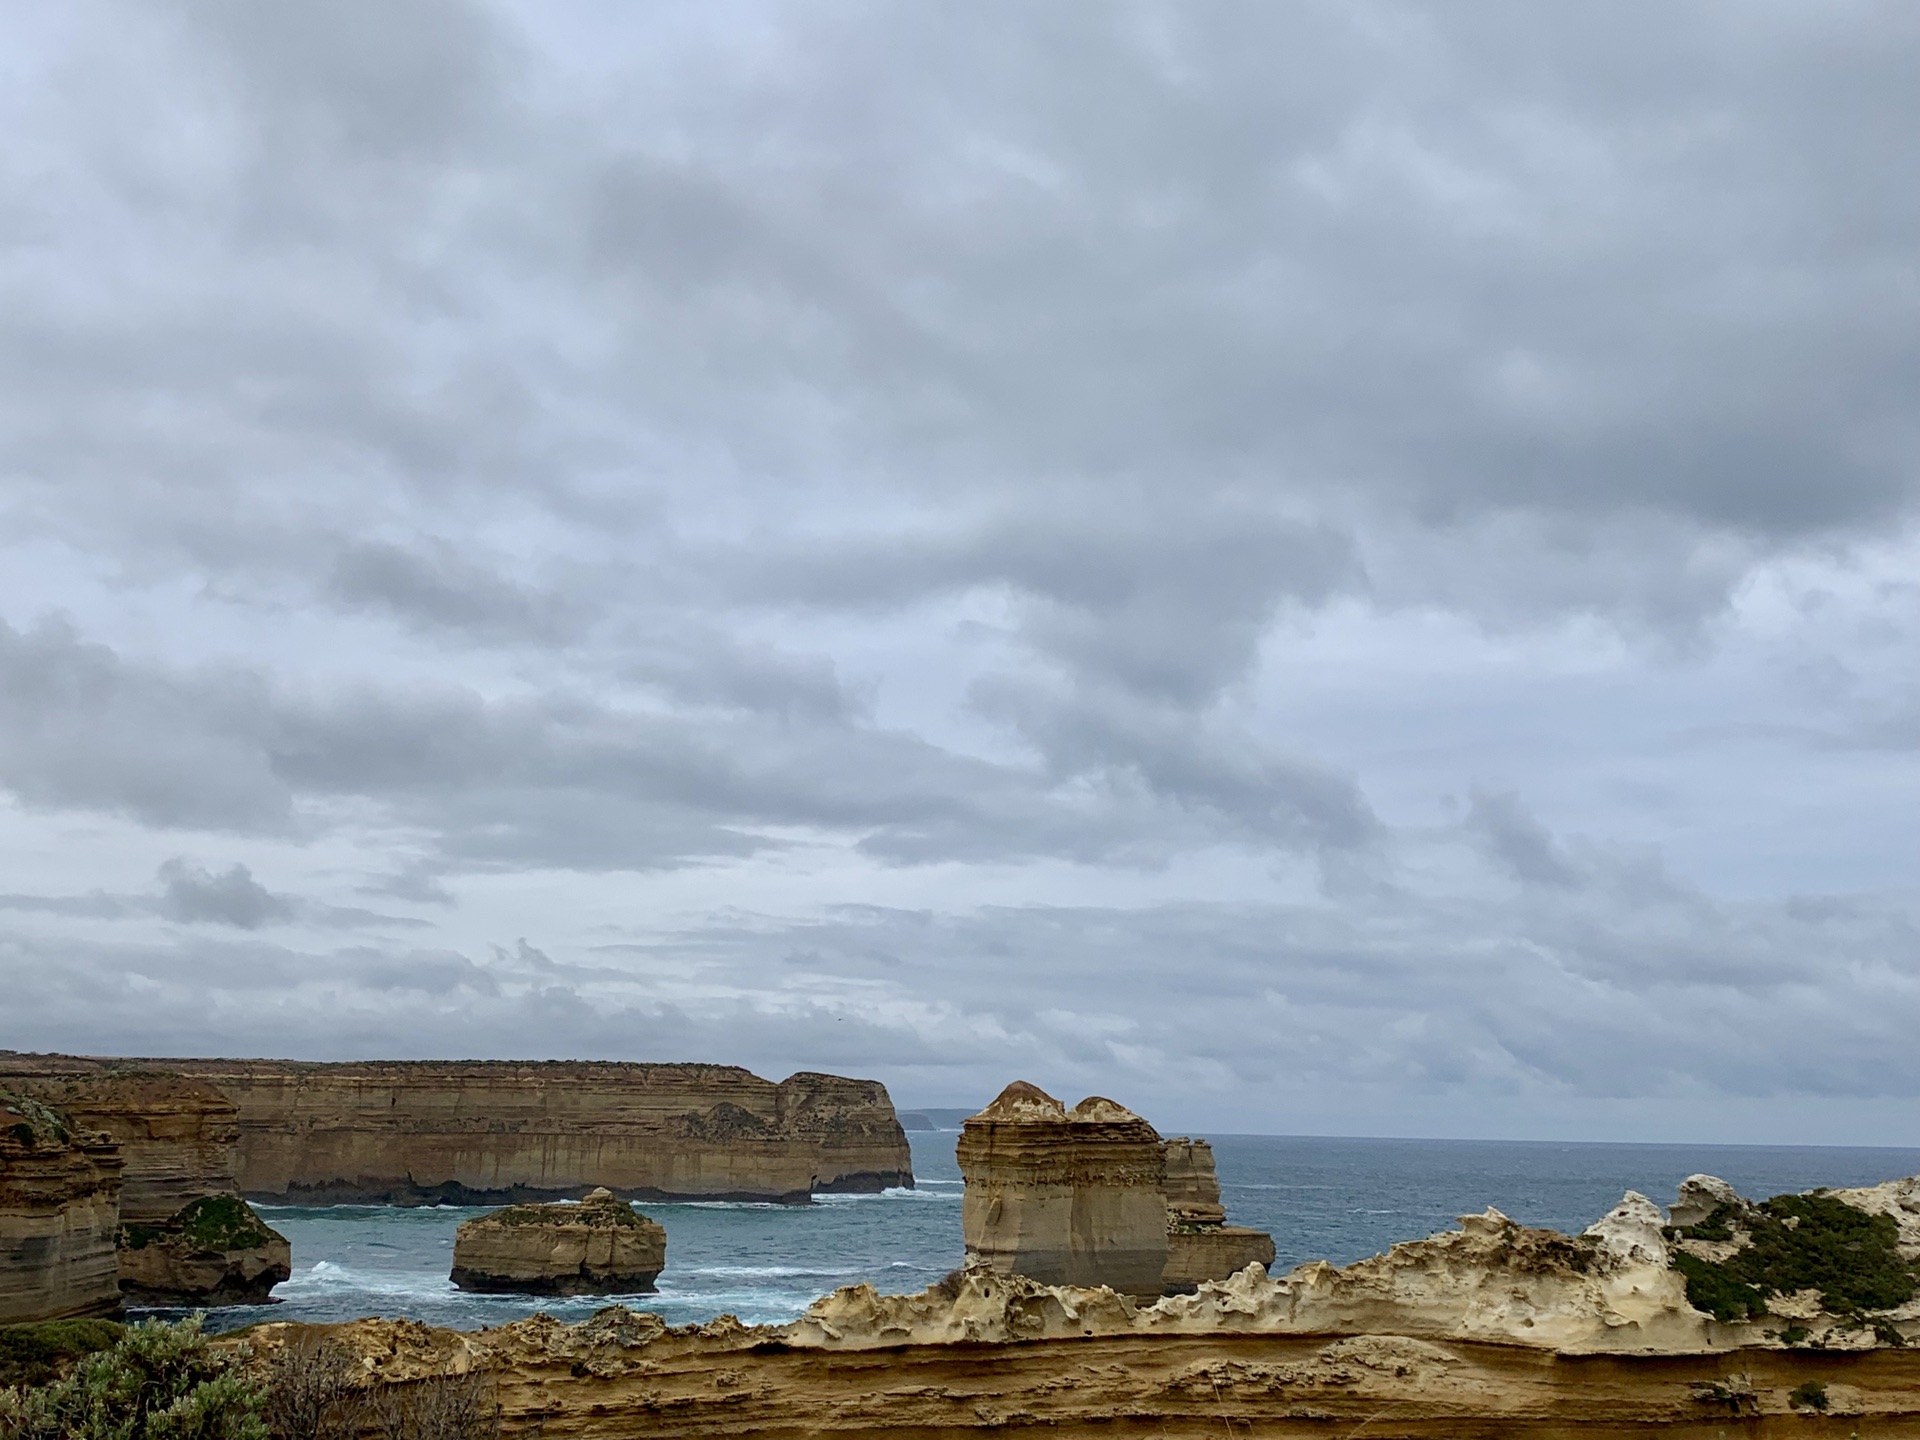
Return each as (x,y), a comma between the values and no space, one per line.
(59,1208)
(185,1235)
(492,1132)
(1066,1197)
(602,1246)
(1200,1244)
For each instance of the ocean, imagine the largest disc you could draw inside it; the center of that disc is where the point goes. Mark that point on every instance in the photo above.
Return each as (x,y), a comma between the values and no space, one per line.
(1322,1198)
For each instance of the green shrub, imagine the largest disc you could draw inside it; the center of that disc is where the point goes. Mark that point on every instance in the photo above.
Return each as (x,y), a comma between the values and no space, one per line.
(1799,1242)
(157,1382)
(1717,1290)
(1810,1396)
(1815,1242)
(35,1354)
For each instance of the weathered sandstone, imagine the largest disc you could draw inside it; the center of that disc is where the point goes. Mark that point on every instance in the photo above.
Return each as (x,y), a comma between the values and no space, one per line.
(601,1246)
(59,1207)
(1494,1329)
(490,1132)
(1069,1197)
(1200,1245)
(176,1135)
(186,1237)
(214,1251)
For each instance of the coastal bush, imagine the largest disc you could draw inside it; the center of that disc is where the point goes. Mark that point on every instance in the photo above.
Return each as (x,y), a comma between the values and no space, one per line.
(318,1390)
(156,1382)
(213,1222)
(1794,1243)
(35,1354)
(315,1389)
(1810,1396)
(1717,1290)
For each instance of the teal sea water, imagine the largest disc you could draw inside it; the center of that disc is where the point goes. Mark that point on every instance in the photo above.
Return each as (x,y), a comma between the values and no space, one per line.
(1321,1198)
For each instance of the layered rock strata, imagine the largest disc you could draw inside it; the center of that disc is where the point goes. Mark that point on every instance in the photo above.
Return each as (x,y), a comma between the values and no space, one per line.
(1200,1244)
(1492,1329)
(490,1132)
(602,1246)
(1069,1197)
(59,1207)
(185,1237)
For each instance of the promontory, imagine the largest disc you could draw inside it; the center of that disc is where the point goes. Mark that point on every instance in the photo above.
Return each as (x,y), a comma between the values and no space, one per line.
(499,1131)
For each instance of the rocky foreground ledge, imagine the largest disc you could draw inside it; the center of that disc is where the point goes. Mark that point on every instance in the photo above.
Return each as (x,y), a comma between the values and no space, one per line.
(1492,1329)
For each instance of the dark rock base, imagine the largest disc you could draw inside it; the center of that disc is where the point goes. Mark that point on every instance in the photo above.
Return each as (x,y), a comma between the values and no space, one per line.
(638,1284)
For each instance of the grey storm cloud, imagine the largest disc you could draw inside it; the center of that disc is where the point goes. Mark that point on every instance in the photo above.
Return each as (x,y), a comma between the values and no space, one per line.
(1358,551)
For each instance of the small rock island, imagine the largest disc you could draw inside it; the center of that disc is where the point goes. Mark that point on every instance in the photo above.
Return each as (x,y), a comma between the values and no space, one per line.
(602,1246)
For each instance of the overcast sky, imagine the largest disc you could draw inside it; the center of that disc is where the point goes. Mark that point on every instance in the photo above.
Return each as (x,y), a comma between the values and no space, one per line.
(1342,568)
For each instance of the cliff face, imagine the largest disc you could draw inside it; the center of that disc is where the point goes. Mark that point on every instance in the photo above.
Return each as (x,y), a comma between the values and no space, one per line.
(177,1135)
(601,1246)
(487,1132)
(1071,1197)
(59,1208)
(185,1237)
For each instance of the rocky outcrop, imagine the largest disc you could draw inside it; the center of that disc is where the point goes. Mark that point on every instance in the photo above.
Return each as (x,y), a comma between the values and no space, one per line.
(1200,1245)
(490,1132)
(59,1207)
(185,1237)
(601,1246)
(622,1374)
(1069,1197)
(213,1251)
(1605,1291)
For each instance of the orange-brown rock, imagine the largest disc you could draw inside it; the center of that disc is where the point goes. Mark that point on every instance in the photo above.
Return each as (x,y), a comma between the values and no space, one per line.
(186,1237)
(1067,1197)
(602,1246)
(489,1132)
(1200,1246)
(59,1208)
(177,1135)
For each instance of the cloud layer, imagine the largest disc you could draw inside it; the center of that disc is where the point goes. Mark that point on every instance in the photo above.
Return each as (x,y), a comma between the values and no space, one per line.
(1339,566)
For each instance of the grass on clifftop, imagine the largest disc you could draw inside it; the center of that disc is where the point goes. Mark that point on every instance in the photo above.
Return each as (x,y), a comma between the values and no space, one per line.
(213,1222)
(32,1123)
(34,1354)
(1798,1242)
(619,1213)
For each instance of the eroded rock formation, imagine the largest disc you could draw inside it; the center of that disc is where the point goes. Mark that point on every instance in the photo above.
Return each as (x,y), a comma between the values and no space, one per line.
(602,1246)
(186,1237)
(213,1251)
(490,1132)
(1068,1197)
(1200,1244)
(59,1208)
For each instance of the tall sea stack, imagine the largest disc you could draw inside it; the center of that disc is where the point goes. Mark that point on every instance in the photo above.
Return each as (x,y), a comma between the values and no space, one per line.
(1067,1197)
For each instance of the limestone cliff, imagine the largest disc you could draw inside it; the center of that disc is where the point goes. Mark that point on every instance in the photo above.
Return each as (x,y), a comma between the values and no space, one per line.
(488,1132)
(185,1237)
(601,1246)
(1071,1197)
(59,1207)
(176,1135)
